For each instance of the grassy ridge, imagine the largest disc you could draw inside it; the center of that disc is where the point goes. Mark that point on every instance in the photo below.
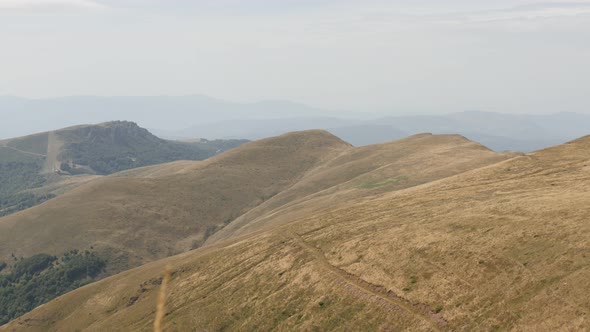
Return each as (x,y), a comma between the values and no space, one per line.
(499,248)
(153,212)
(26,163)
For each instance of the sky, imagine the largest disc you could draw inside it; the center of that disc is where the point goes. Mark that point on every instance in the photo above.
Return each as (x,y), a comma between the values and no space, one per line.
(397,57)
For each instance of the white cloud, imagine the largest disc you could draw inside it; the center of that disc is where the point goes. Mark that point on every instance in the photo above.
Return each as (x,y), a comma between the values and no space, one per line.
(41,5)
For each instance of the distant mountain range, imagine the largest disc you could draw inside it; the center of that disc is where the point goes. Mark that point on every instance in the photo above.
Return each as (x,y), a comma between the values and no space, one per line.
(22,116)
(498,131)
(184,117)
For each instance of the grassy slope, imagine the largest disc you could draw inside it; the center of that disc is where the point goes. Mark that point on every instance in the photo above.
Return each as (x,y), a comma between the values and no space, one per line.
(109,147)
(501,247)
(34,150)
(137,216)
(366,171)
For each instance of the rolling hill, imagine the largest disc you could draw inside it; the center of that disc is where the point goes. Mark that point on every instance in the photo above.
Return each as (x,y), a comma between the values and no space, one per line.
(366,171)
(501,247)
(148,213)
(144,214)
(38,167)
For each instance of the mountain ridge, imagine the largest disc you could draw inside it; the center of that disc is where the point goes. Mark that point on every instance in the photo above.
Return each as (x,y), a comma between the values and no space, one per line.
(112,212)
(187,204)
(32,168)
(497,247)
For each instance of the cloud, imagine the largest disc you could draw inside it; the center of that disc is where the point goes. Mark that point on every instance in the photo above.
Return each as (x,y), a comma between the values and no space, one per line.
(533,12)
(43,5)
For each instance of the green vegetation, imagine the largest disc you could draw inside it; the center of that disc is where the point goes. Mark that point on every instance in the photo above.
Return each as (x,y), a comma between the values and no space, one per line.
(36,144)
(18,174)
(38,279)
(13,203)
(413,281)
(8,155)
(121,145)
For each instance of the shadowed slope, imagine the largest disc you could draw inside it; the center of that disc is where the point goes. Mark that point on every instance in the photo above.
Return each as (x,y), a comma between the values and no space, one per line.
(150,213)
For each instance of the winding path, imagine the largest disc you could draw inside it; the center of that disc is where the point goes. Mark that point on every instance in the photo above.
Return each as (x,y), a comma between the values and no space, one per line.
(423,311)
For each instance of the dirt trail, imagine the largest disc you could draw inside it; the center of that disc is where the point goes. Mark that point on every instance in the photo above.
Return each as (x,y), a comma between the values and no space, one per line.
(54,145)
(417,309)
(53,148)
(22,151)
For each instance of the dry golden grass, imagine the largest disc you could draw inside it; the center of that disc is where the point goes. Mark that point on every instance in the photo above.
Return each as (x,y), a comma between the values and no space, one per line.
(502,247)
(145,214)
(153,212)
(365,172)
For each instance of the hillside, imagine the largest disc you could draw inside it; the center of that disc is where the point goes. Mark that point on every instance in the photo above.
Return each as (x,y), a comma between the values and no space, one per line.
(143,214)
(182,204)
(149,213)
(503,247)
(18,173)
(38,167)
(106,148)
(364,172)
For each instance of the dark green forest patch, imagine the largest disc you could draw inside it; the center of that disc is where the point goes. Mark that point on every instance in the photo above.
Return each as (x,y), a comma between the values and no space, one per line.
(30,282)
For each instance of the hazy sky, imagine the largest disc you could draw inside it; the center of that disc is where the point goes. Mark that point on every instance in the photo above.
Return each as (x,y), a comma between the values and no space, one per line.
(404,56)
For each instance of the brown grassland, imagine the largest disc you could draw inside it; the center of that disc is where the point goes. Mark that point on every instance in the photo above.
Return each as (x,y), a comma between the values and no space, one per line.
(145,214)
(410,235)
(149,213)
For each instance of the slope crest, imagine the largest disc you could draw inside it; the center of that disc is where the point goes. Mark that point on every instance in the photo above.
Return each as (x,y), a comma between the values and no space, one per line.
(131,219)
(504,247)
(366,171)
